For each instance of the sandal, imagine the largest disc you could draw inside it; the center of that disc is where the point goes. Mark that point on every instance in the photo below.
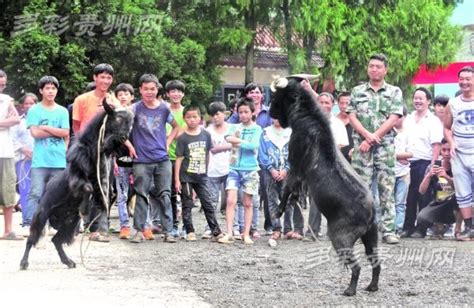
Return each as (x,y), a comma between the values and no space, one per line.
(275,235)
(461,237)
(293,236)
(97,237)
(11,237)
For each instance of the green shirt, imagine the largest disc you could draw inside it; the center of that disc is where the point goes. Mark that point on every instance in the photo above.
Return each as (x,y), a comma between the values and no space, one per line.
(178,117)
(373,108)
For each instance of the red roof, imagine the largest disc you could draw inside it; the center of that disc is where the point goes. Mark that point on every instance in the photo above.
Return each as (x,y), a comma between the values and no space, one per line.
(448,74)
(268,53)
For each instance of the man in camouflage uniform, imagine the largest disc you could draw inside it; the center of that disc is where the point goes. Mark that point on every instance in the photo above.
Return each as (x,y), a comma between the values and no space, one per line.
(374,108)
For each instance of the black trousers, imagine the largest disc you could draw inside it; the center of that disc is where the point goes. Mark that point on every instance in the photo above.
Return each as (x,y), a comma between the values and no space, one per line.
(174,198)
(437,212)
(204,196)
(416,201)
(267,223)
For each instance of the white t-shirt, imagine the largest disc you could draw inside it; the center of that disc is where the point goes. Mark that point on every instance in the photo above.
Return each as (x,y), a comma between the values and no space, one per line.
(219,162)
(463,124)
(401,143)
(422,135)
(6,143)
(338,130)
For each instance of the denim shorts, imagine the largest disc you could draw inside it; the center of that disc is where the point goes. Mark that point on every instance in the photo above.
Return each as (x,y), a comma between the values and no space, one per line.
(248,180)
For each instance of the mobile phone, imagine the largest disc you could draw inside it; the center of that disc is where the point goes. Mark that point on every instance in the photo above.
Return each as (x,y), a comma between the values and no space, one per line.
(437,163)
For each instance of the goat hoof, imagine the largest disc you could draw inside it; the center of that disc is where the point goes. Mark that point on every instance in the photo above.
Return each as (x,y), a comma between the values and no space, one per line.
(23,265)
(70,264)
(372,288)
(349,292)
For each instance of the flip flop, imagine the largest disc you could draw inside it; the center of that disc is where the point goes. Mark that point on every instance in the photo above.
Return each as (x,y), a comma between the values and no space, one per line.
(11,237)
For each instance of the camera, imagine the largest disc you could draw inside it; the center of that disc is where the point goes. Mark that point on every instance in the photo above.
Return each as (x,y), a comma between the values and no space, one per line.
(437,163)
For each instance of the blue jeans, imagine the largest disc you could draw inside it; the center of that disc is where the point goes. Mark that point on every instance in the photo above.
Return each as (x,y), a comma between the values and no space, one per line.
(401,192)
(39,178)
(23,175)
(215,185)
(122,184)
(153,188)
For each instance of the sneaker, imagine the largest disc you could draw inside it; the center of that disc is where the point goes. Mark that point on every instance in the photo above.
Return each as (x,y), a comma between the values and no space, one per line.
(237,236)
(182,234)
(268,232)
(156,229)
(174,233)
(418,234)
(124,233)
(248,240)
(148,234)
(256,235)
(226,239)
(191,237)
(207,235)
(97,237)
(215,238)
(25,231)
(429,232)
(390,239)
(169,239)
(138,237)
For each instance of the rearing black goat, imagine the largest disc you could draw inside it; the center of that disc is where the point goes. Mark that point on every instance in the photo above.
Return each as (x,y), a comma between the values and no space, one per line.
(67,195)
(340,194)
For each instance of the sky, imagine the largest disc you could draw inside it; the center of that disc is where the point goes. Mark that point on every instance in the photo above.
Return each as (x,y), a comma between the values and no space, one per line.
(463,13)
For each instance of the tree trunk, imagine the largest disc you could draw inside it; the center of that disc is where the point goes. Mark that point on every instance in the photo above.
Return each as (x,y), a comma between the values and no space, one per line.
(251,24)
(285,7)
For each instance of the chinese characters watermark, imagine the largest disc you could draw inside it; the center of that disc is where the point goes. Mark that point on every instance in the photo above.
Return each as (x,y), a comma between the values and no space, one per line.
(90,25)
(398,257)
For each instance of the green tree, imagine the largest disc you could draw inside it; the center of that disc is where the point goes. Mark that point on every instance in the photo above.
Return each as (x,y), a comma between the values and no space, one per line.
(346,32)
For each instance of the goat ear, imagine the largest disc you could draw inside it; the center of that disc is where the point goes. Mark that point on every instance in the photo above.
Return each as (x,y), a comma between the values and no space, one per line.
(108,109)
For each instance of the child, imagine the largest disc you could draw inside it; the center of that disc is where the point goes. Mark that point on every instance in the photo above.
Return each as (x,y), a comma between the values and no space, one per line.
(49,125)
(243,172)
(273,157)
(402,172)
(220,154)
(175,93)
(123,169)
(192,156)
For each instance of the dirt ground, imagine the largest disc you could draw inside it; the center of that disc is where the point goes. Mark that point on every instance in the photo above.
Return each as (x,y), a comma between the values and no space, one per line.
(205,274)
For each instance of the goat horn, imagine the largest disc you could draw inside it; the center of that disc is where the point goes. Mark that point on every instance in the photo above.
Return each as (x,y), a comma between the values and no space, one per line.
(278,83)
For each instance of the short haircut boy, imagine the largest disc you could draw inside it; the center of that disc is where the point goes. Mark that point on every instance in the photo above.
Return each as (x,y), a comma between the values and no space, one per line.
(343,94)
(216,107)
(191,108)
(103,68)
(441,100)
(124,87)
(175,85)
(147,78)
(48,80)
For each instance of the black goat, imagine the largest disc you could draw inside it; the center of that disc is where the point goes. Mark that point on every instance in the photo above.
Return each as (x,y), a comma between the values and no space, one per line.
(68,194)
(340,194)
